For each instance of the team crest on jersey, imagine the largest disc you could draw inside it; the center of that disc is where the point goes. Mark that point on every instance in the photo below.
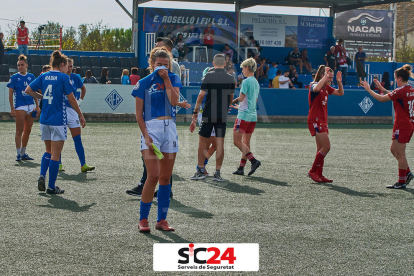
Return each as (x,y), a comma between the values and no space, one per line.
(18,79)
(136,86)
(29,78)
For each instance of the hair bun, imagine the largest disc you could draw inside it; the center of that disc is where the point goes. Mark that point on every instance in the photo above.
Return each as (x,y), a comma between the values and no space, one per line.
(22,57)
(56,54)
(407,68)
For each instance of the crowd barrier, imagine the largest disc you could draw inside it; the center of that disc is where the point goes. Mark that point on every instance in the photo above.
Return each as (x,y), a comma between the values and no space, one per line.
(272,103)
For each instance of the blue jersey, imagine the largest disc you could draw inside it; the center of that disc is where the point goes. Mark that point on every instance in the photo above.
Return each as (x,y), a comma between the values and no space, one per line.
(19,83)
(77,83)
(151,89)
(55,86)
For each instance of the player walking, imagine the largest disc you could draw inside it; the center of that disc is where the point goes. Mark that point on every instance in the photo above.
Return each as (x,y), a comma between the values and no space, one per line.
(24,108)
(403,101)
(55,84)
(319,91)
(246,116)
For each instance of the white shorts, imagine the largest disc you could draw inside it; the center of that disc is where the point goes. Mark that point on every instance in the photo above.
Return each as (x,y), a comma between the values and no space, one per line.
(72,118)
(163,134)
(200,120)
(28,108)
(53,133)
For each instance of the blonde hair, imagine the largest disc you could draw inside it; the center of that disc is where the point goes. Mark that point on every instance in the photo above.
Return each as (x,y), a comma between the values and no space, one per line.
(320,73)
(125,72)
(250,63)
(404,72)
(159,52)
(22,58)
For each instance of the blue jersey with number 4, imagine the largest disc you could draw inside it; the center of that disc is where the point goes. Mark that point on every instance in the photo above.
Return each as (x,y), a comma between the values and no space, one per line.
(55,86)
(18,83)
(77,83)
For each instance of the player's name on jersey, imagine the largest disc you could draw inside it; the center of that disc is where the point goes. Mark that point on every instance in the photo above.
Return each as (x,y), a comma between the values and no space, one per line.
(52,78)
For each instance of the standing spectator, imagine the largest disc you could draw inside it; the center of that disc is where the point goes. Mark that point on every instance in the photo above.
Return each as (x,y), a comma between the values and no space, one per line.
(338,47)
(330,58)
(284,81)
(293,76)
(253,52)
(295,59)
(125,78)
(182,48)
(134,78)
(343,65)
(305,61)
(275,81)
(89,78)
(193,36)
(262,70)
(271,74)
(385,81)
(228,51)
(104,76)
(1,48)
(360,64)
(209,40)
(22,35)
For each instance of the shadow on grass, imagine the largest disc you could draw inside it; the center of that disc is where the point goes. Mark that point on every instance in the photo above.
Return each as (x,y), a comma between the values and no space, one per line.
(27,164)
(350,192)
(411,191)
(191,211)
(80,177)
(58,202)
(173,236)
(176,177)
(268,181)
(236,188)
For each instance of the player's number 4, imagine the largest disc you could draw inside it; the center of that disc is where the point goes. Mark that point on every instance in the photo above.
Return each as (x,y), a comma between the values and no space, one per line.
(48,94)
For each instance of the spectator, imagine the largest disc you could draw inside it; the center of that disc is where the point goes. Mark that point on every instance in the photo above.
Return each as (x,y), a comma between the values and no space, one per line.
(22,35)
(239,80)
(231,72)
(385,81)
(104,76)
(339,46)
(343,65)
(275,81)
(360,64)
(293,76)
(229,62)
(209,40)
(134,78)
(330,58)
(284,81)
(261,72)
(193,36)
(271,74)
(171,36)
(181,47)
(89,78)
(125,77)
(228,51)
(1,47)
(306,62)
(183,74)
(374,87)
(78,71)
(253,52)
(294,59)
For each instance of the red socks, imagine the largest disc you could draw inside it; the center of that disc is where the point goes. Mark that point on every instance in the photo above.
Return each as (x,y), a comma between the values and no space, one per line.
(243,163)
(250,157)
(402,175)
(318,163)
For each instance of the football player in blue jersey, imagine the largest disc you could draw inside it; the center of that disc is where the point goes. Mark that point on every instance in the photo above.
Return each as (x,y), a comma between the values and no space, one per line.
(73,118)
(24,108)
(156,97)
(54,84)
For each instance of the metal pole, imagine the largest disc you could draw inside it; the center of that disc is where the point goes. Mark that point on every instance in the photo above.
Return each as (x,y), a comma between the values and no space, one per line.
(237,7)
(135,26)
(394,33)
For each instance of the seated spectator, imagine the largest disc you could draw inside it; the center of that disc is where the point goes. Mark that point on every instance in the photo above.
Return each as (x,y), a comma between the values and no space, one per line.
(229,51)
(330,58)
(181,47)
(271,74)
(229,63)
(284,81)
(374,87)
(253,52)
(305,61)
(239,80)
(343,65)
(275,81)
(385,81)
(78,71)
(134,77)
(125,77)
(294,59)
(89,78)
(104,76)
(262,69)
(293,76)
(183,74)
(230,71)
(171,36)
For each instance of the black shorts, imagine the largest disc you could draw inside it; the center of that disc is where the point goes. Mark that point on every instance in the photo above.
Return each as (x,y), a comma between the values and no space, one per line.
(206,128)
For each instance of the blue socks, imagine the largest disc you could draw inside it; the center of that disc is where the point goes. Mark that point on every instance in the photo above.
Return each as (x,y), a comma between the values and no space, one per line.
(205,162)
(79,149)
(163,200)
(53,173)
(144,210)
(44,164)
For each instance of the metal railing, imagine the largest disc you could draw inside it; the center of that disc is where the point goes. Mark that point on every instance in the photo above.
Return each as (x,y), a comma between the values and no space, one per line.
(149,42)
(186,73)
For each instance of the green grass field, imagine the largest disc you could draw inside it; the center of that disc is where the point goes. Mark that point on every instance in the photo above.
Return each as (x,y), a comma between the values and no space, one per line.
(354,226)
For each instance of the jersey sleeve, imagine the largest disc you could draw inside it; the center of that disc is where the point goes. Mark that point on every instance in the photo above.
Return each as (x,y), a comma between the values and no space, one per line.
(36,84)
(78,81)
(175,81)
(396,94)
(11,84)
(67,87)
(139,90)
(330,89)
(204,83)
(243,88)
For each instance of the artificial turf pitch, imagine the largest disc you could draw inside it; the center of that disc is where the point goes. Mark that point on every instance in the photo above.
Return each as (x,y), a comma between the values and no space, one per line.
(354,226)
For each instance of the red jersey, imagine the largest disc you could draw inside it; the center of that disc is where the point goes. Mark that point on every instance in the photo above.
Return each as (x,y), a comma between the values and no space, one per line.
(403,100)
(134,79)
(208,37)
(318,104)
(21,33)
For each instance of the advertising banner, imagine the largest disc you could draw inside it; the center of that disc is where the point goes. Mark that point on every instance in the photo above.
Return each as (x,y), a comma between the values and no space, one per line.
(165,21)
(312,32)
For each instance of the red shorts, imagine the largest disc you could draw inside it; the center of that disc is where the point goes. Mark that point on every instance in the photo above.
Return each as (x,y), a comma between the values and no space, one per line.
(244,126)
(317,127)
(402,135)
